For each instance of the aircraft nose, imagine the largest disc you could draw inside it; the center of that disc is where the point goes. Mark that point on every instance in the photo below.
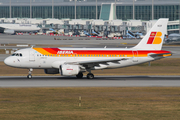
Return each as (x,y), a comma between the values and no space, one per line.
(7,61)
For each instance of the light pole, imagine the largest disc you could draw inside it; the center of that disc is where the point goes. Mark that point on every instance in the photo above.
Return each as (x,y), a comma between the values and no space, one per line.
(152,9)
(115,9)
(133,9)
(30,10)
(10,8)
(52,8)
(75,9)
(96,9)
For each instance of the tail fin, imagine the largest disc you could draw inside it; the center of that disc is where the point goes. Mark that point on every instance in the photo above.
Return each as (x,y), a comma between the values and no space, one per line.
(153,40)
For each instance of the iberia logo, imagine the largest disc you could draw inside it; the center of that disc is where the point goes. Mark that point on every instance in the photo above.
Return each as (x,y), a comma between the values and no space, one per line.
(155,38)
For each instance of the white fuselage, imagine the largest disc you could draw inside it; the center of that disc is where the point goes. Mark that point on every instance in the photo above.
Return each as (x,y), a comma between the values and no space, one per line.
(20,27)
(33,59)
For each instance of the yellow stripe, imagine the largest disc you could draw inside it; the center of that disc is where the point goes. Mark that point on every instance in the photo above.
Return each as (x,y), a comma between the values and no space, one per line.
(42,51)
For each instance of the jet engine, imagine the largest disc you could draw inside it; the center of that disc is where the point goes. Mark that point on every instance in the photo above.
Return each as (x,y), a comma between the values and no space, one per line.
(68,70)
(51,71)
(8,31)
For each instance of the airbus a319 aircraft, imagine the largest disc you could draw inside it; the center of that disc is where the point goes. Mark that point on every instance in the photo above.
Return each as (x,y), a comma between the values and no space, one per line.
(76,61)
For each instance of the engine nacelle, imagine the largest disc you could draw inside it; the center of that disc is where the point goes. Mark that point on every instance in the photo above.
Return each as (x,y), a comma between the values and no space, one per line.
(68,70)
(51,71)
(8,31)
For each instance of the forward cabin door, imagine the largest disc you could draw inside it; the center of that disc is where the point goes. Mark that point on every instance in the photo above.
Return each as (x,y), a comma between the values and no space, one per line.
(135,55)
(31,55)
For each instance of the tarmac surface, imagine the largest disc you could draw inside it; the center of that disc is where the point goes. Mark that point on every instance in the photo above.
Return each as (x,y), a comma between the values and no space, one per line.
(98,81)
(74,41)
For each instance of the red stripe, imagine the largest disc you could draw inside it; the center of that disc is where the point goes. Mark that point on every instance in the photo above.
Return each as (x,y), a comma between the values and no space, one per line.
(69,69)
(151,37)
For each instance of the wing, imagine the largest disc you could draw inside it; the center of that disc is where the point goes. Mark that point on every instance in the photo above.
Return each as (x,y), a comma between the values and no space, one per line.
(92,63)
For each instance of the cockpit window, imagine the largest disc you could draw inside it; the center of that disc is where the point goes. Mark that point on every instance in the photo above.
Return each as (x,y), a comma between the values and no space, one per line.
(17,54)
(13,54)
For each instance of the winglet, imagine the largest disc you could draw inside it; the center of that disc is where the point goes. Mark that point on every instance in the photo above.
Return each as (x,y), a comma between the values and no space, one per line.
(153,40)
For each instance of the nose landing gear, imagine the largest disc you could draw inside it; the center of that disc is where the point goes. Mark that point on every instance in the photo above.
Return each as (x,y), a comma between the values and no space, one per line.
(29,76)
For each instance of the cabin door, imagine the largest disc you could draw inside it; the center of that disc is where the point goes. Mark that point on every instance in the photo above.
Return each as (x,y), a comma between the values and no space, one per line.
(32,55)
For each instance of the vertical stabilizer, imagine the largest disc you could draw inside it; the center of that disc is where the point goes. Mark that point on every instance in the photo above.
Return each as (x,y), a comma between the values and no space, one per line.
(153,40)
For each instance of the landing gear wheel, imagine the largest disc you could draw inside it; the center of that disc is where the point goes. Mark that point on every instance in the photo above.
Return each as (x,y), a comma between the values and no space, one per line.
(29,76)
(90,76)
(80,75)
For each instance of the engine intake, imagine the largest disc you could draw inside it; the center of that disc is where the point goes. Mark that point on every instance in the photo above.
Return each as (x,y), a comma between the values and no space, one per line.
(68,70)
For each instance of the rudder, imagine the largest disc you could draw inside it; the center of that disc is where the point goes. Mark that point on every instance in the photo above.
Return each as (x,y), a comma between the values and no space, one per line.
(153,40)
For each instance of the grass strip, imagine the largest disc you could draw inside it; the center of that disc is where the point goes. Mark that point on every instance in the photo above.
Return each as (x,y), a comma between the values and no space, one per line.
(118,103)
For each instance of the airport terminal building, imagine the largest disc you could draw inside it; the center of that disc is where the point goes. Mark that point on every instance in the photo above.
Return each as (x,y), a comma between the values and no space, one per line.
(86,9)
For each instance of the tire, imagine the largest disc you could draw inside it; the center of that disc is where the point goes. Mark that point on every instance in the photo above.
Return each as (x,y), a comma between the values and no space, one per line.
(29,76)
(90,76)
(80,75)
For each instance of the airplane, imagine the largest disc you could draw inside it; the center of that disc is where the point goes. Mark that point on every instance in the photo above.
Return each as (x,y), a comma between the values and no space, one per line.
(12,28)
(76,61)
(173,38)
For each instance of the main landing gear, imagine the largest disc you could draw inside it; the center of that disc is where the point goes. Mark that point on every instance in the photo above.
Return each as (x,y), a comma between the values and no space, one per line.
(29,76)
(89,75)
(80,75)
